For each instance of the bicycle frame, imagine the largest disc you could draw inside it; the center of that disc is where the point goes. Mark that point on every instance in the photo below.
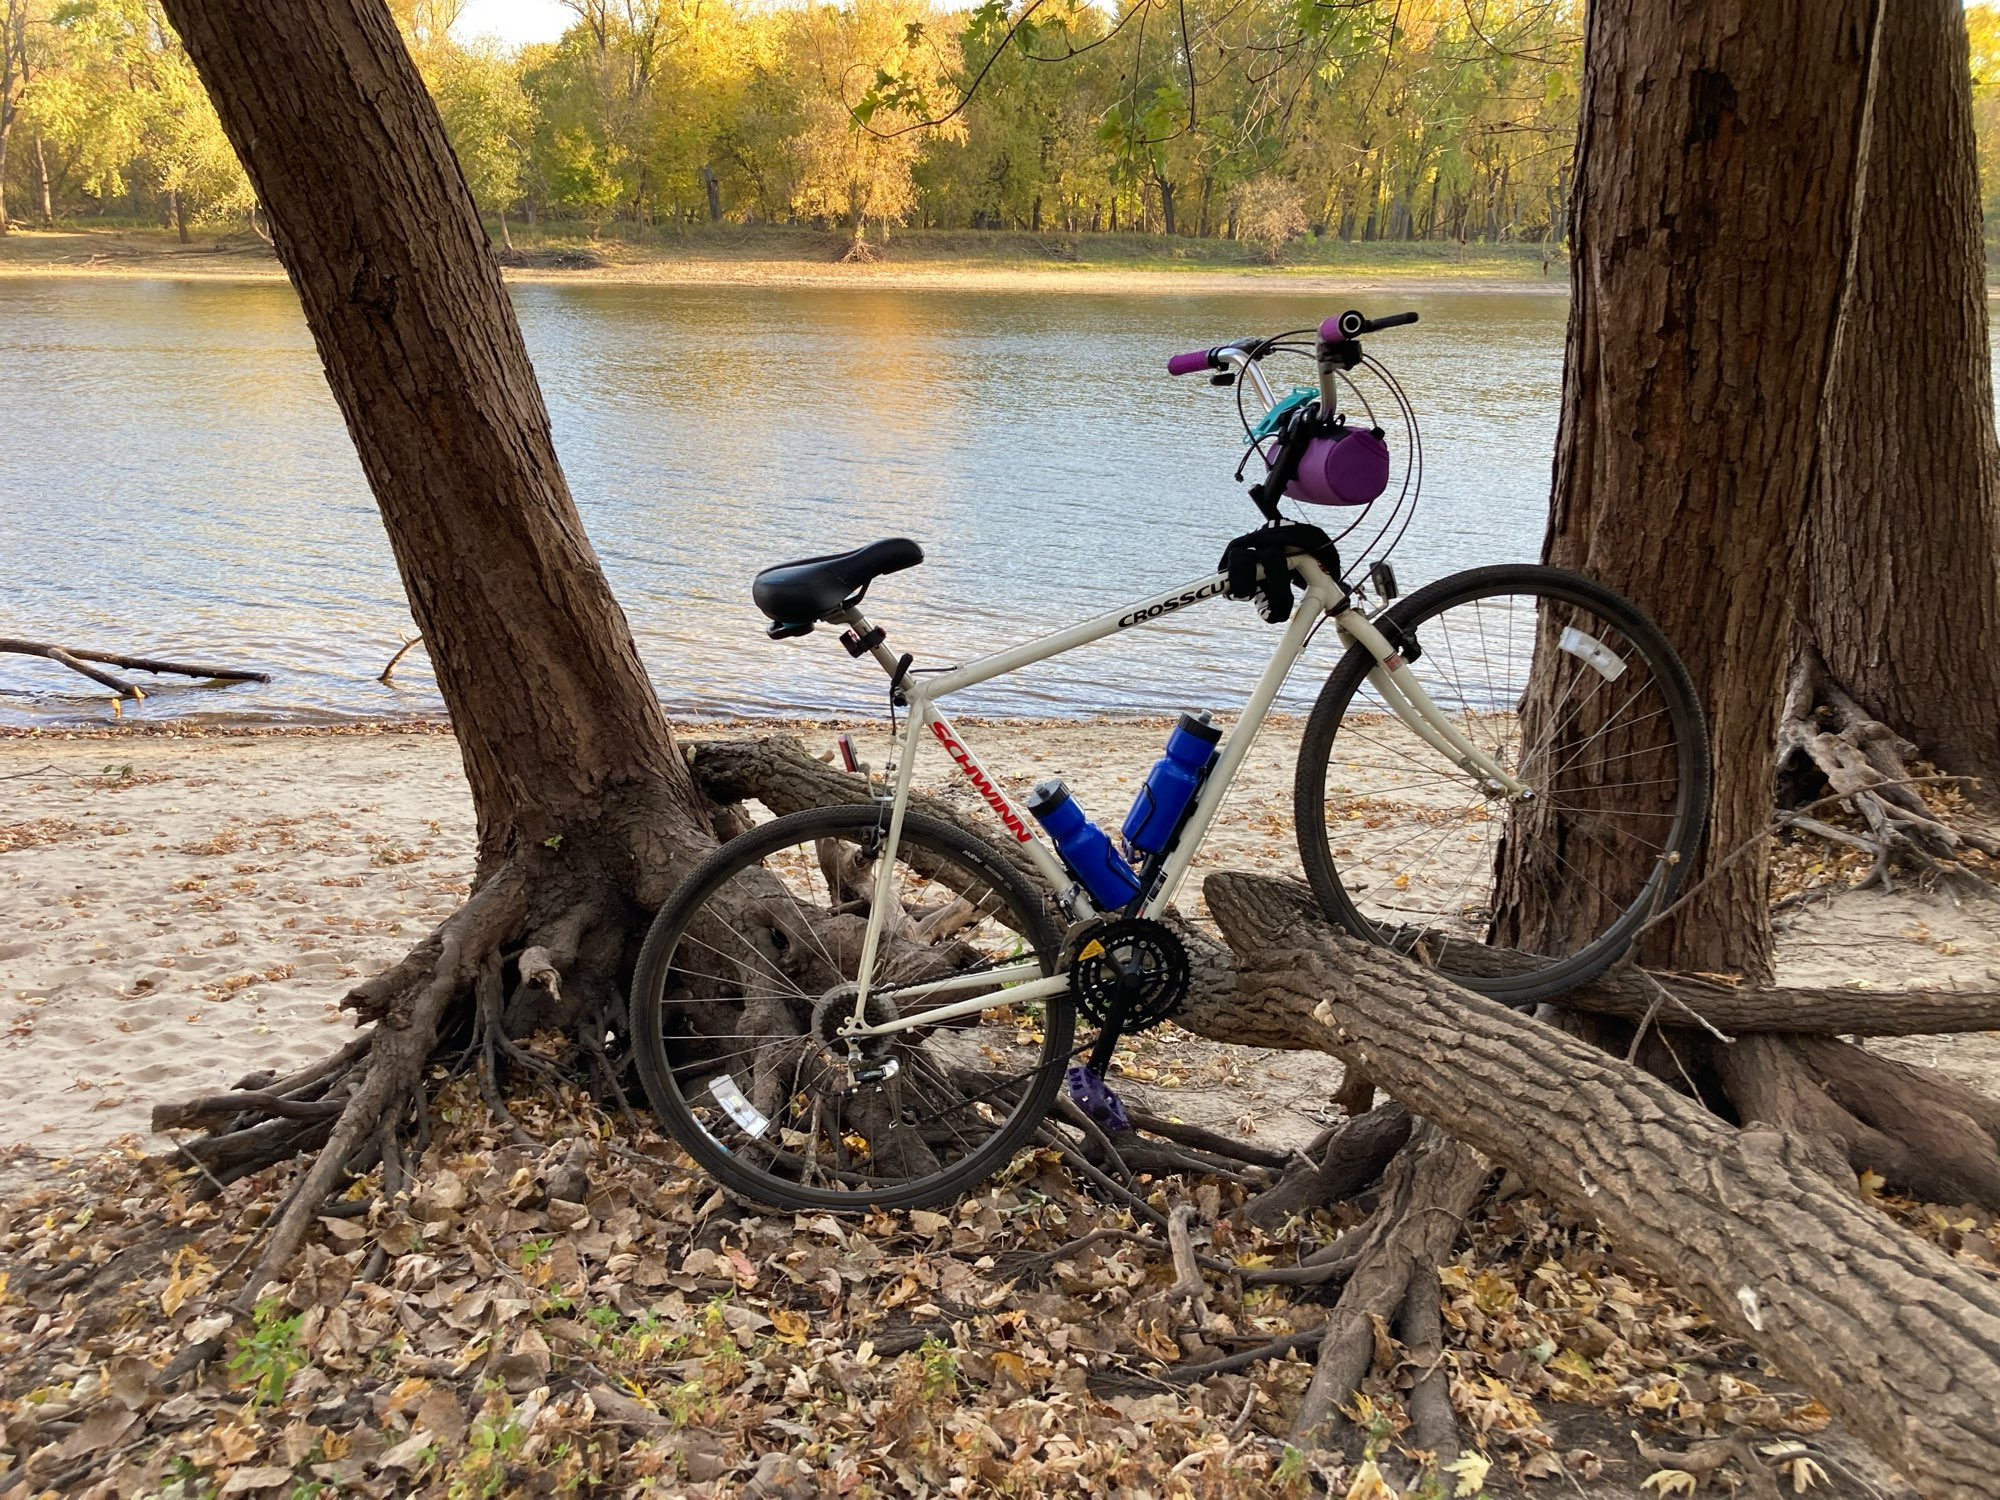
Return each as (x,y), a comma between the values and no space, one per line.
(1324,597)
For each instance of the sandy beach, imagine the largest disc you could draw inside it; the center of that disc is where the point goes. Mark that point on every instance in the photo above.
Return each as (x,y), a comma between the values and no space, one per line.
(178,909)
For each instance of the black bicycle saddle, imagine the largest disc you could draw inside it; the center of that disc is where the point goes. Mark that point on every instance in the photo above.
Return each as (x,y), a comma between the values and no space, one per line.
(795,594)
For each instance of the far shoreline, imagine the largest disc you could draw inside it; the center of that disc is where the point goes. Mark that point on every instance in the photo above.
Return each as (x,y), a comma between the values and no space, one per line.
(363,728)
(945,263)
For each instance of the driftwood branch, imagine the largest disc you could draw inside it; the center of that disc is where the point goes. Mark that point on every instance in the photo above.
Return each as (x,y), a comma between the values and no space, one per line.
(401,652)
(78,660)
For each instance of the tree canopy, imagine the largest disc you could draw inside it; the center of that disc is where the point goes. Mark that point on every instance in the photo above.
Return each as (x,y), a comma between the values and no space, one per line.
(1364,119)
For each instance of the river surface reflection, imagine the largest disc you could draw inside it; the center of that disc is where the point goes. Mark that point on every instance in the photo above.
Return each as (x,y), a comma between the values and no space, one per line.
(175,479)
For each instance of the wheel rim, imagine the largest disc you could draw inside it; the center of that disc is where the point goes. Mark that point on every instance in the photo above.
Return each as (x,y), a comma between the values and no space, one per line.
(1427,862)
(761,970)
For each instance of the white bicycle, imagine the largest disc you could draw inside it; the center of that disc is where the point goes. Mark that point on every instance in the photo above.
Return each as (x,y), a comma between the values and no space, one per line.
(868,1006)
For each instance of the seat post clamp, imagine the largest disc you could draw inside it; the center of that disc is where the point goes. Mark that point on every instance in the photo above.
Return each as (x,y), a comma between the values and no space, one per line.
(859,645)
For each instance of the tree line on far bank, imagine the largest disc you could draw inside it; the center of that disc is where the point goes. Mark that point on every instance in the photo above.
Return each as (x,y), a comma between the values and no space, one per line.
(1263,120)
(1254,119)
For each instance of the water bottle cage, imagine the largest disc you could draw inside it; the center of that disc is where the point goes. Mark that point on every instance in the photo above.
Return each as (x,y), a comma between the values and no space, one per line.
(1259,567)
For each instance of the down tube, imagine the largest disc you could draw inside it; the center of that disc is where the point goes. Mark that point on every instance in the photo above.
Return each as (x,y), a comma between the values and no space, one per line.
(1311,610)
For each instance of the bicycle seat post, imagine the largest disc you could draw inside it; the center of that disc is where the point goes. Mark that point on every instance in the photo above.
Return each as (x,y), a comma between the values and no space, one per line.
(860,638)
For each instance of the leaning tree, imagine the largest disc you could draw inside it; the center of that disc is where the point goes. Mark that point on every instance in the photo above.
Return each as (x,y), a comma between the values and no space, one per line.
(1721,159)
(586,811)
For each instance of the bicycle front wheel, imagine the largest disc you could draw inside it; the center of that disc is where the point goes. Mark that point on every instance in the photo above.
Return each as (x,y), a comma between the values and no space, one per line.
(750,971)
(1517,897)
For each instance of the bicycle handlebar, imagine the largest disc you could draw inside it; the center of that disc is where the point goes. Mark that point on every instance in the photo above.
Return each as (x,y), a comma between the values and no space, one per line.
(1351,325)
(1342,326)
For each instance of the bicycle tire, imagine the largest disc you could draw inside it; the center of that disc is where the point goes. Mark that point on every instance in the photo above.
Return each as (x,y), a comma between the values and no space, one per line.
(653,1019)
(1553,591)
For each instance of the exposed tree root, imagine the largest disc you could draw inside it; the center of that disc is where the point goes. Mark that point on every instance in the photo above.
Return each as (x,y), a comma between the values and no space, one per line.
(1427,1193)
(1346,1158)
(1872,768)
(1867,1113)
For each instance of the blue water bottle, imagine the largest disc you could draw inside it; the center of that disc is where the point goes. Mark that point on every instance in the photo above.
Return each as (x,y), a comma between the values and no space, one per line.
(1156,812)
(1084,847)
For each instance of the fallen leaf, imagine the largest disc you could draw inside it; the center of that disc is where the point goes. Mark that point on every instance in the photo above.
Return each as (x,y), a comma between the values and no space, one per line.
(263,1477)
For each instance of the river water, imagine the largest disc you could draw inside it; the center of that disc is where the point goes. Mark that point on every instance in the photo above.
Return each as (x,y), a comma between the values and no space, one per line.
(175,480)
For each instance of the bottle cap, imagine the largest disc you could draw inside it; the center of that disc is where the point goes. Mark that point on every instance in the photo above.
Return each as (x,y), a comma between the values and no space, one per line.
(1200,727)
(1047,796)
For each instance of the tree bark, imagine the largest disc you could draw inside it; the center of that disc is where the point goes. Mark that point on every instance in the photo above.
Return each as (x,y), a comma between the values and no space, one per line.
(1896,1339)
(552,708)
(1900,592)
(1717,158)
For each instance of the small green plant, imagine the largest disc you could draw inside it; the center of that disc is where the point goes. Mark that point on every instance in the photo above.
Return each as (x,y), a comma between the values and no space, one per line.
(186,1480)
(482,1472)
(689,1404)
(940,1368)
(118,772)
(267,1359)
(603,1319)
(553,842)
(1291,1467)
(534,1250)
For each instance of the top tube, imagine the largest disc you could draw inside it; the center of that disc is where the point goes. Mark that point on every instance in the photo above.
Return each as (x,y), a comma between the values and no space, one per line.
(999,663)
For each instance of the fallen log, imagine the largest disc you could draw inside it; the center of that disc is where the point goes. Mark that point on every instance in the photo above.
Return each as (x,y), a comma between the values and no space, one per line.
(79,660)
(779,772)
(1890,1334)
(1631,995)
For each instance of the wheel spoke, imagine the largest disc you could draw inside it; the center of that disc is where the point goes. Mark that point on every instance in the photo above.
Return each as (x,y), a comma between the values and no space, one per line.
(743,1053)
(1600,751)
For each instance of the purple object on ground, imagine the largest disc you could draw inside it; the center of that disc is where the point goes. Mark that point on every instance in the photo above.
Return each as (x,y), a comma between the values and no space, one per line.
(1189,363)
(1351,469)
(1094,1097)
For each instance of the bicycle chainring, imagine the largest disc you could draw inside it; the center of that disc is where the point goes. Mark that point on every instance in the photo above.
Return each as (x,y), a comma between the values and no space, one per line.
(1128,971)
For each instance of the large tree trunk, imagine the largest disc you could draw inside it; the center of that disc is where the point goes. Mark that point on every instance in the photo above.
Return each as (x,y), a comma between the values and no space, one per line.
(586,812)
(1900,594)
(372,220)
(1717,157)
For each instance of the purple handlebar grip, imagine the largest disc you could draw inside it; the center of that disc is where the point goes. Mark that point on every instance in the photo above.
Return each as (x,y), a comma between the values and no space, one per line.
(1329,331)
(1188,363)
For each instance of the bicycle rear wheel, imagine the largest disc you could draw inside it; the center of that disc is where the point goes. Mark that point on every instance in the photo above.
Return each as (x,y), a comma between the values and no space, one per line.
(749,970)
(1517,899)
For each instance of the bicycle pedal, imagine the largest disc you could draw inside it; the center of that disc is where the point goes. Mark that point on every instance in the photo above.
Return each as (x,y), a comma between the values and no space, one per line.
(1090,1093)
